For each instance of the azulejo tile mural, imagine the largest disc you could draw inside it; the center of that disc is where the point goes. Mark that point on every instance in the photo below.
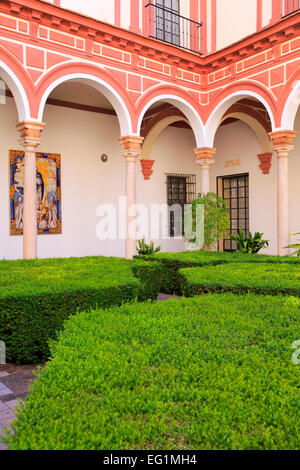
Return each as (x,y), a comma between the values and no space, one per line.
(48,192)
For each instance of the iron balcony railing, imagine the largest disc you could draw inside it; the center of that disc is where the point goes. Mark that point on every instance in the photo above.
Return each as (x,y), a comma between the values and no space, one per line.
(170,27)
(289,6)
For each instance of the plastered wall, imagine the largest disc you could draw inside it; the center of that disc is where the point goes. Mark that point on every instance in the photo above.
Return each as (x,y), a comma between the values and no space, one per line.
(81,138)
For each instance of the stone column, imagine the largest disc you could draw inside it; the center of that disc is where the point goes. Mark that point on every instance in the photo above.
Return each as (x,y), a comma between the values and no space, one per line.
(205,158)
(283,144)
(30,132)
(131,150)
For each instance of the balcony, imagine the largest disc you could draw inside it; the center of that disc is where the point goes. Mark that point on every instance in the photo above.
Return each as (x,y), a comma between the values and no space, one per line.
(172,28)
(289,6)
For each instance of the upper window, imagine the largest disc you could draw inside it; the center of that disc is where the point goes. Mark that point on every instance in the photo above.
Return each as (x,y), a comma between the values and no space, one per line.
(168,21)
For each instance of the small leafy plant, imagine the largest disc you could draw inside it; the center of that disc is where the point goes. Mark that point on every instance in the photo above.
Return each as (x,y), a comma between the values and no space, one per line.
(216,220)
(251,244)
(144,249)
(295,246)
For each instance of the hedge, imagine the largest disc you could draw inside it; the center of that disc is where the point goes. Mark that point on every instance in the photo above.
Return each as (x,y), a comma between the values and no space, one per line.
(173,262)
(36,297)
(262,278)
(209,372)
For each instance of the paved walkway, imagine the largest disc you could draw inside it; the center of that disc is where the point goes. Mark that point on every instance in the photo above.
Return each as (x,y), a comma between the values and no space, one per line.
(14,384)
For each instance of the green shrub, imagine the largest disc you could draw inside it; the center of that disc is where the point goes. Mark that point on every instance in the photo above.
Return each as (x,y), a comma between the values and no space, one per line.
(173,262)
(36,297)
(144,249)
(210,372)
(262,278)
(295,246)
(216,220)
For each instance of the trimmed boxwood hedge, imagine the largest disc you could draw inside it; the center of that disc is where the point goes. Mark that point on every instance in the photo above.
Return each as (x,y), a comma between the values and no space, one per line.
(173,262)
(36,297)
(262,278)
(209,372)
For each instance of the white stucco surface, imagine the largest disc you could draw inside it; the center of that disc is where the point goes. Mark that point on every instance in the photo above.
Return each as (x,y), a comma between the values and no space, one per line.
(235,20)
(100,10)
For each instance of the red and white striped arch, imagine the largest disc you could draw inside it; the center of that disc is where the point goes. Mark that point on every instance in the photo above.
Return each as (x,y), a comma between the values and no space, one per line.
(42,46)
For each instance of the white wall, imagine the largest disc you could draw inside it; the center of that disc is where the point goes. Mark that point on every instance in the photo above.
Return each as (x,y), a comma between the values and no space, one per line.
(237,141)
(267,12)
(294,176)
(101,9)
(173,152)
(81,137)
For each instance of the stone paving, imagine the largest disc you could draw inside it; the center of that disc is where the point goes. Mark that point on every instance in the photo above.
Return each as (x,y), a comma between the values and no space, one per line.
(14,384)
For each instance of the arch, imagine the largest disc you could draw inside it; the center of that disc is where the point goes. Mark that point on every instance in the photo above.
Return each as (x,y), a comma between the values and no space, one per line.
(289,102)
(255,121)
(99,79)
(16,78)
(156,126)
(226,98)
(179,99)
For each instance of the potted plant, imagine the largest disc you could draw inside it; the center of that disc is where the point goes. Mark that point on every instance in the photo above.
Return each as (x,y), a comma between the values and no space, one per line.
(216,220)
(295,246)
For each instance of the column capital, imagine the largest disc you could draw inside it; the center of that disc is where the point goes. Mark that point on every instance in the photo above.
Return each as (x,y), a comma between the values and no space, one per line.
(30,132)
(282,141)
(131,146)
(205,155)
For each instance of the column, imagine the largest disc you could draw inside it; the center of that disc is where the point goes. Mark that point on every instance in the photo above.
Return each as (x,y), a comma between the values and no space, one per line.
(30,133)
(205,160)
(283,144)
(131,150)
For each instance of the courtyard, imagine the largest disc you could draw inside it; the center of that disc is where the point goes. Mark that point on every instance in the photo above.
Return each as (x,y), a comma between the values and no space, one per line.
(214,368)
(149,225)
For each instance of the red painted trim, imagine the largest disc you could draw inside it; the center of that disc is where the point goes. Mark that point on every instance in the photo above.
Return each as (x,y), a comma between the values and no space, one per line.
(245,85)
(239,108)
(79,67)
(145,18)
(284,95)
(147,168)
(159,117)
(194,15)
(276,11)
(157,92)
(81,107)
(259,15)
(203,19)
(117,12)
(265,162)
(72,105)
(213,25)
(135,16)
(17,68)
